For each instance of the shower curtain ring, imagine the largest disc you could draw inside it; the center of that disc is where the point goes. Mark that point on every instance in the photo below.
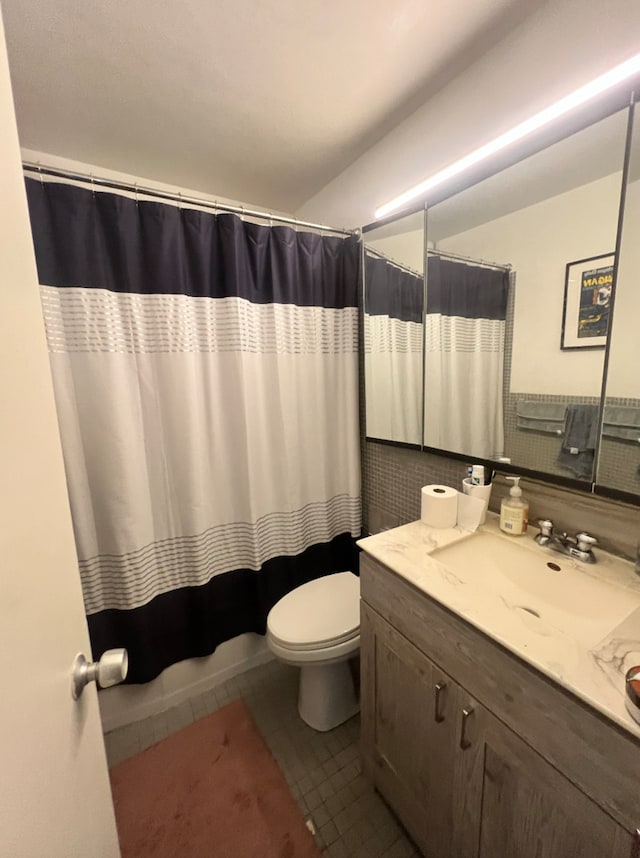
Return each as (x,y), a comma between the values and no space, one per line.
(136,193)
(39,166)
(93,188)
(179,201)
(270,218)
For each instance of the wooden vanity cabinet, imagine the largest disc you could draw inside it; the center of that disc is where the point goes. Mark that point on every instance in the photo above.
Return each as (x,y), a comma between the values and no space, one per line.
(465,783)
(509,801)
(409,733)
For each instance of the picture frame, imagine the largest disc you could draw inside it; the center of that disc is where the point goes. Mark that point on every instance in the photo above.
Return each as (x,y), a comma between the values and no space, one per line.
(587,296)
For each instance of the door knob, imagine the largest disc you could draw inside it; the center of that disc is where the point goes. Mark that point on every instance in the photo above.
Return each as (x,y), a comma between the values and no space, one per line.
(110,670)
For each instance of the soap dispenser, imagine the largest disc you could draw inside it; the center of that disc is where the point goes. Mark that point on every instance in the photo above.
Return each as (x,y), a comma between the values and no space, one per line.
(514,510)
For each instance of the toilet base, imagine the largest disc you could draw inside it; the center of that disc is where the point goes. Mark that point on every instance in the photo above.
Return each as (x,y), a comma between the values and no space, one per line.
(327,695)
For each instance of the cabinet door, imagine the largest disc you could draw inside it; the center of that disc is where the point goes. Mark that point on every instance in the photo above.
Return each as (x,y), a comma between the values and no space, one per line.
(509,801)
(408,733)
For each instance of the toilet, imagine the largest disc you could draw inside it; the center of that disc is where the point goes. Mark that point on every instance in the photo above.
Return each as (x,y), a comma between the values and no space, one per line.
(316,627)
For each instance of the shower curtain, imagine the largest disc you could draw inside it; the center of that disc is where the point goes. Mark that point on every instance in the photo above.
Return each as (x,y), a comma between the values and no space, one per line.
(464,357)
(205,375)
(393,351)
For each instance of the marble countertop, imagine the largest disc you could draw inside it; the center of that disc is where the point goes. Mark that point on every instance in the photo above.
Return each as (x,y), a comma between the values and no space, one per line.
(589,658)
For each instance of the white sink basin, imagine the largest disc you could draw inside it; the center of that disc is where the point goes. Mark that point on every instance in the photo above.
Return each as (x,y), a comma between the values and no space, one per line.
(547,586)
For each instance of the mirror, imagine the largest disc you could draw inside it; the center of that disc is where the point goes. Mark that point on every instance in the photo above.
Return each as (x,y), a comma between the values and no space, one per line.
(393,338)
(619,457)
(519,276)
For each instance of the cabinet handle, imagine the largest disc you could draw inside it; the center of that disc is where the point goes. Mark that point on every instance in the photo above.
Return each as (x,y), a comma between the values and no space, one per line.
(439,688)
(464,742)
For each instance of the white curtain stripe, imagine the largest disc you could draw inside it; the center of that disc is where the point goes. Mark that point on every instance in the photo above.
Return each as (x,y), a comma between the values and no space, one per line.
(393,378)
(132,580)
(200,435)
(464,373)
(96,320)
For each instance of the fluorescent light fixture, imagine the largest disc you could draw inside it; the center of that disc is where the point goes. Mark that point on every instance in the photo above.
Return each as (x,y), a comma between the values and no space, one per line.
(569,102)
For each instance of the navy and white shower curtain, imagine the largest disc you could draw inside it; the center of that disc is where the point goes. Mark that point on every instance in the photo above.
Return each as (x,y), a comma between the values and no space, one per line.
(205,375)
(464,357)
(393,335)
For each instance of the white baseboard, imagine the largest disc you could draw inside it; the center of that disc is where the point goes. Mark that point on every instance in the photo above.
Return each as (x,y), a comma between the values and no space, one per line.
(125,704)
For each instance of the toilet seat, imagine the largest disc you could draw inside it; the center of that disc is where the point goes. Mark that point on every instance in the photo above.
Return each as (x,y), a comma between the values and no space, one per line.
(323,614)
(313,645)
(317,655)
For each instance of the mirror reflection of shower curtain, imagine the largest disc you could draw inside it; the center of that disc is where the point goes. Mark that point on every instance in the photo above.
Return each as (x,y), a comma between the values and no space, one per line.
(464,357)
(393,351)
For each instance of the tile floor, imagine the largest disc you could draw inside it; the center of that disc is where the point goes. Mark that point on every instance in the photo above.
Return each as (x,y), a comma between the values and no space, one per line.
(322,769)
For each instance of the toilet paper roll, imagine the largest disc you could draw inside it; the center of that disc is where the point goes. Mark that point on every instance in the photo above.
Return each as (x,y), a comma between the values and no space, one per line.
(439,506)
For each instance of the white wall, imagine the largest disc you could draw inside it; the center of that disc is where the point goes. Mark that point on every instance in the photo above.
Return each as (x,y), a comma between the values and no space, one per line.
(564,44)
(124,704)
(48,160)
(538,241)
(623,378)
(54,790)
(407,249)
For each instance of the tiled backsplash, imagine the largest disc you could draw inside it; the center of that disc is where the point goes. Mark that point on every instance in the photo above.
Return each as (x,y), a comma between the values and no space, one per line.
(393,476)
(391,481)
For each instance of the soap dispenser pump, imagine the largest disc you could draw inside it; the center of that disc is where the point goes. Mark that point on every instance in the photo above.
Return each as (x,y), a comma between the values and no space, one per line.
(514,510)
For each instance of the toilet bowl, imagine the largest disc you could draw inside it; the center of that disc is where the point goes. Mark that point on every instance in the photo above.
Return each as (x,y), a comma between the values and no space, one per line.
(316,627)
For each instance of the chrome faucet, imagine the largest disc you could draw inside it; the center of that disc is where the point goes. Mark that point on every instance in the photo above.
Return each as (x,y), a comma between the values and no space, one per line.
(580,547)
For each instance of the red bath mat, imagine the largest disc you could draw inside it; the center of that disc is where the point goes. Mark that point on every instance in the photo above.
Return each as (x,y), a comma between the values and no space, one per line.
(213,790)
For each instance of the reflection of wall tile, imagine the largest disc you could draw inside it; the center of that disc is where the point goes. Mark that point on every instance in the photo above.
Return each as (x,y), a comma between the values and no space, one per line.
(619,463)
(619,460)
(536,450)
(619,466)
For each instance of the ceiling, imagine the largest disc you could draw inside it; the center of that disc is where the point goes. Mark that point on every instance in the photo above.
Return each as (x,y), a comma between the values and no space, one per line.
(262,101)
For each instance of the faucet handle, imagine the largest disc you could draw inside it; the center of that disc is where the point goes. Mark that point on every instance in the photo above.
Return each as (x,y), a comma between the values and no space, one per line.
(546,527)
(585,541)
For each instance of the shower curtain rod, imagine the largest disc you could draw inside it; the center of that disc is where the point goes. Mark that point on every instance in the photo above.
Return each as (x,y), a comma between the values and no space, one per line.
(179,198)
(390,259)
(459,256)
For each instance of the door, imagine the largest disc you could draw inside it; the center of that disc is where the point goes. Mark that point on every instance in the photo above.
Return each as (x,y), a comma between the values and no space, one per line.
(511,801)
(408,714)
(55,799)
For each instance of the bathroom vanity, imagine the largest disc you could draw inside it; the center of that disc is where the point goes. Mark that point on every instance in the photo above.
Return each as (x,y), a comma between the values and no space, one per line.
(493,718)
